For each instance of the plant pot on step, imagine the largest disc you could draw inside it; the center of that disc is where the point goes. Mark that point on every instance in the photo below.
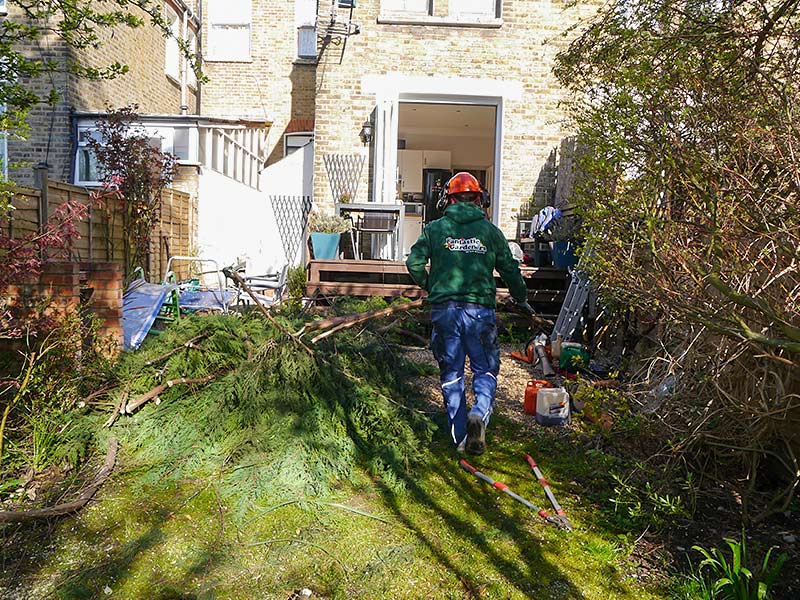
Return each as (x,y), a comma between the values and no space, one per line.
(325,245)
(563,254)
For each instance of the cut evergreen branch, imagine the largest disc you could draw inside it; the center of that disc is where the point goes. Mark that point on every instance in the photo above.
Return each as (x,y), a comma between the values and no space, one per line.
(159,389)
(67,507)
(231,273)
(361,317)
(192,343)
(282,424)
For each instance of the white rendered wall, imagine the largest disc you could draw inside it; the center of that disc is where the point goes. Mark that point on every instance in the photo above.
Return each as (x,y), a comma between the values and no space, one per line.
(236,222)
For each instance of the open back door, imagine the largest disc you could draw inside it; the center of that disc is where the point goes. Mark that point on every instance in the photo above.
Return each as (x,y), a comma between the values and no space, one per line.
(384,181)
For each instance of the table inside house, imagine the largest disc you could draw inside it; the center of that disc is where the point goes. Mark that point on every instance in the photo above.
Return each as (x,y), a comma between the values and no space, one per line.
(381,223)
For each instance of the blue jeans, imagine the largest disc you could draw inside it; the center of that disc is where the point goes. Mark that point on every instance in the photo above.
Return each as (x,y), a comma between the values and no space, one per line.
(462,329)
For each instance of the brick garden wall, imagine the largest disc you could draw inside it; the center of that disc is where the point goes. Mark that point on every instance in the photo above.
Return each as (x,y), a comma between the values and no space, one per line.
(521,49)
(93,290)
(104,301)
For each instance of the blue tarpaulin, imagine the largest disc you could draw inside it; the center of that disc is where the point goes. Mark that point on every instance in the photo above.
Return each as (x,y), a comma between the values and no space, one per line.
(206,299)
(141,303)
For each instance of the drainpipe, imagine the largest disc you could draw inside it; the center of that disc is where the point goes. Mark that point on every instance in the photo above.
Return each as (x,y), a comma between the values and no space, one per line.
(185,65)
(198,55)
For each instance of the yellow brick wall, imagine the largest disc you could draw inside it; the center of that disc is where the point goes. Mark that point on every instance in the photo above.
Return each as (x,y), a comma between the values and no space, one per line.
(272,84)
(521,50)
(146,84)
(50,138)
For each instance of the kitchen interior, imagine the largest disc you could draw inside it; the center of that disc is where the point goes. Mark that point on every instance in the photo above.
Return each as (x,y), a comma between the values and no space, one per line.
(434,142)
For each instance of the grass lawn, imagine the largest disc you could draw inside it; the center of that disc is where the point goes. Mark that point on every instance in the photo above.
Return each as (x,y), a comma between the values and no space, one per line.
(447,535)
(181,522)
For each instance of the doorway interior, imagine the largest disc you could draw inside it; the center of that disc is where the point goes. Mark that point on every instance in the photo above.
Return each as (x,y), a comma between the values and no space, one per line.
(436,140)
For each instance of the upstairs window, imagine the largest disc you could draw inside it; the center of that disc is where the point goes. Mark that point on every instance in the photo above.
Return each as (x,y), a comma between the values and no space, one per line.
(172,53)
(433,11)
(307,42)
(410,6)
(305,17)
(229,30)
(474,8)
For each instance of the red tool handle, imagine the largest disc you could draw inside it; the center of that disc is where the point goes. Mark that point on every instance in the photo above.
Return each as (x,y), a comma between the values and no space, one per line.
(467,467)
(530,460)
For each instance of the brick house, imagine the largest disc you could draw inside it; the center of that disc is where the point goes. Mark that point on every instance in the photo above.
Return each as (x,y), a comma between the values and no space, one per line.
(450,84)
(221,153)
(443,85)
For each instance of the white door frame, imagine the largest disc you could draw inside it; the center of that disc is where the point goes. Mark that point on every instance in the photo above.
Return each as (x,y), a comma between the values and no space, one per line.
(395,87)
(386,141)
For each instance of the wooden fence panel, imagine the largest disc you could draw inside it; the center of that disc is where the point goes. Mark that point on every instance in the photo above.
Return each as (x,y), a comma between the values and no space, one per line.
(101,232)
(172,235)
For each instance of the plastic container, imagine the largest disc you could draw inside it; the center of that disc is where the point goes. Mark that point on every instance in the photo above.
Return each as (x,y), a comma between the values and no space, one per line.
(555,347)
(552,406)
(531,390)
(325,245)
(572,356)
(564,255)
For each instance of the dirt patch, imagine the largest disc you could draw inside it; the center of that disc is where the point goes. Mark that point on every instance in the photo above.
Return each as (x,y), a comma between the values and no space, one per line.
(511,384)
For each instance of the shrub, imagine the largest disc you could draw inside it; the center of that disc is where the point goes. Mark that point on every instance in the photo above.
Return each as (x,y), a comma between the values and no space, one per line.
(734,580)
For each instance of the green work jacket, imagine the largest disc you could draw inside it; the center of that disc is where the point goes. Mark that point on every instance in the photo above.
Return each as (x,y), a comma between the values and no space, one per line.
(464,249)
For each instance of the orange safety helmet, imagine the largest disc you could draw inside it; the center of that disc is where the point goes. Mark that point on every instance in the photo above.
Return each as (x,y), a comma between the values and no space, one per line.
(459,183)
(462,182)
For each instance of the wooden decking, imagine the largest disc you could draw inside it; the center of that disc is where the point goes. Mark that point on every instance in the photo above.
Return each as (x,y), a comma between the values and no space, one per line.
(546,285)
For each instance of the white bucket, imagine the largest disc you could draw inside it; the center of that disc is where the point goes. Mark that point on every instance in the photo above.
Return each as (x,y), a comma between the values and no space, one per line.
(552,406)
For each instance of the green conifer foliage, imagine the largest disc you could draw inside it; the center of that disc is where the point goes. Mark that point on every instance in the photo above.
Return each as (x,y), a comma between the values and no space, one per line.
(278,424)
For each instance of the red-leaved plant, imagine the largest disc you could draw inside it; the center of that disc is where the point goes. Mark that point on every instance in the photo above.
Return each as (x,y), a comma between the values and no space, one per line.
(129,162)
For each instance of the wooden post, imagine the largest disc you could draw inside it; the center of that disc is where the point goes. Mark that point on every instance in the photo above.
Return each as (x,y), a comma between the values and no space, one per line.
(41,178)
(91,234)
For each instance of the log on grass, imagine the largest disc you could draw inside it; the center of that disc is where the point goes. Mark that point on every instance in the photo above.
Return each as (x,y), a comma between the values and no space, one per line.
(159,389)
(68,507)
(351,320)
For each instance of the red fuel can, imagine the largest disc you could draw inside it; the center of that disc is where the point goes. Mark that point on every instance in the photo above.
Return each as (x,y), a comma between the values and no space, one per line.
(533,387)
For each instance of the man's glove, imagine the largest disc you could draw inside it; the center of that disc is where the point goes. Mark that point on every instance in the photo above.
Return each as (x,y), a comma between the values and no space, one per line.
(525,307)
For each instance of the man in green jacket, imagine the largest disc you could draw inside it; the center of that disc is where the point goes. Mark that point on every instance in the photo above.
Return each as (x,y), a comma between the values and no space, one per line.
(464,249)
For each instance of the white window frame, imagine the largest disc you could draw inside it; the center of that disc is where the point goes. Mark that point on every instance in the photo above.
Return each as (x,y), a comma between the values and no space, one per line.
(220,17)
(166,133)
(172,53)
(305,18)
(416,7)
(477,13)
(308,136)
(475,9)
(307,42)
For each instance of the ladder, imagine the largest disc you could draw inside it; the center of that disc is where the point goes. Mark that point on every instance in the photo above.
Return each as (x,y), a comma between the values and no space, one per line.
(572,309)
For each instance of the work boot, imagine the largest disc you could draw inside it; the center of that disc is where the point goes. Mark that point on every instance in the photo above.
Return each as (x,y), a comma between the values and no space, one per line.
(476,435)
(462,446)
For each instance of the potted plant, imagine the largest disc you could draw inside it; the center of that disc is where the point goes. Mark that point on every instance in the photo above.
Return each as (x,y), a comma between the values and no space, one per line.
(563,236)
(325,232)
